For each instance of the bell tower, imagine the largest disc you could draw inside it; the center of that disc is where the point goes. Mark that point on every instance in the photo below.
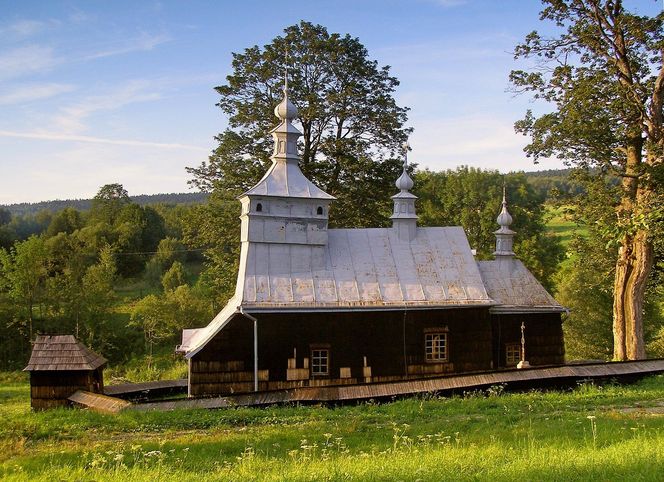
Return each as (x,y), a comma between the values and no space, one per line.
(284,207)
(404,218)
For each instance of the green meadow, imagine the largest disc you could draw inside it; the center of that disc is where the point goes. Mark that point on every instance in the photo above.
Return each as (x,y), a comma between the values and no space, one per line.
(560,224)
(611,432)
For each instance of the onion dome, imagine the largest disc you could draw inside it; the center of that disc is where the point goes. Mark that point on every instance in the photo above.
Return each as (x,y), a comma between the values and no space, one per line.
(504,235)
(404,183)
(504,219)
(285,110)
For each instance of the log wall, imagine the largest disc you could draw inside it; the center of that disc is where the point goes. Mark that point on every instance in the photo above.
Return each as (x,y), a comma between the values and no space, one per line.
(392,342)
(50,389)
(543,334)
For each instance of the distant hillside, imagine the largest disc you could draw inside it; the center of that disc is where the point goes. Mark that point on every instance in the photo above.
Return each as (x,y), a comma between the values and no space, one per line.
(553,183)
(559,173)
(84,204)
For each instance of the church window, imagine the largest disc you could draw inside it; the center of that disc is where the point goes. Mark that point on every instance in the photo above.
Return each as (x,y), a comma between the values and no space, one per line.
(259,208)
(435,347)
(319,210)
(320,362)
(512,353)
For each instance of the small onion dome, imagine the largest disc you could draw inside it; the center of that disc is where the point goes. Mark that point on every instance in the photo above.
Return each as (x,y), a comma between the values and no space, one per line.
(285,109)
(404,183)
(504,219)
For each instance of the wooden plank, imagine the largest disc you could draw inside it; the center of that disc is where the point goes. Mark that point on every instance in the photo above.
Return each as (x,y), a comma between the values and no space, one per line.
(436,384)
(134,388)
(98,402)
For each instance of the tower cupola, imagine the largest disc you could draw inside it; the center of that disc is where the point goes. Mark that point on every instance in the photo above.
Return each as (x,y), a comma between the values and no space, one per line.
(504,235)
(285,207)
(404,218)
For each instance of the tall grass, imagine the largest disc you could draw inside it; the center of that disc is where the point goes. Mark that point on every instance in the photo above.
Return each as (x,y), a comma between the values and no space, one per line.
(576,435)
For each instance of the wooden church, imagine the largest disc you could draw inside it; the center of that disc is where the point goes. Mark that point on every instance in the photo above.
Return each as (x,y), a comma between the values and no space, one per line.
(315,306)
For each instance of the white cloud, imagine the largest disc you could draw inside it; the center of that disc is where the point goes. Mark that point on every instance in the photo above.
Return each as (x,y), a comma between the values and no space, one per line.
(71,119)
(26,60)
(479,141)
(49,176)
(57,136)
(32,92)
(25,28)
(144,42)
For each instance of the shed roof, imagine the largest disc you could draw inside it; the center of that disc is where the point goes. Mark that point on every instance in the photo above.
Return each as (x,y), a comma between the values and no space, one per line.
(62,353)
(514,287)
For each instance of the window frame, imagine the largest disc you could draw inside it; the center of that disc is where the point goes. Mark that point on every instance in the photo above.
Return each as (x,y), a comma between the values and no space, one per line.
(429,352)
(511,348)
(321,349)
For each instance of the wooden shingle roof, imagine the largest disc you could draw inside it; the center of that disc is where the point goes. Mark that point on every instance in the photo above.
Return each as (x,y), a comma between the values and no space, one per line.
(62,353)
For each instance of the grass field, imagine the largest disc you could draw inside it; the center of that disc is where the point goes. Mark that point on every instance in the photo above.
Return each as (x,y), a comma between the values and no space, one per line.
(591,433)
(560,224)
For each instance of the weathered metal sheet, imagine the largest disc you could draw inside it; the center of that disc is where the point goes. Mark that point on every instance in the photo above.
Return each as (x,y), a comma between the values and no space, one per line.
(514,288)
(200,338)
(365,268)
(285,179)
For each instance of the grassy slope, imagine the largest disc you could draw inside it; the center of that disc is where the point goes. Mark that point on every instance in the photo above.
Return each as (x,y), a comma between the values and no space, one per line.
(531,436)
(560,224)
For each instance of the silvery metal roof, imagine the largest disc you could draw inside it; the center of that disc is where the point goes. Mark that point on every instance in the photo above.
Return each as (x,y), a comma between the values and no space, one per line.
(514,288)
(285,179)
(364,268)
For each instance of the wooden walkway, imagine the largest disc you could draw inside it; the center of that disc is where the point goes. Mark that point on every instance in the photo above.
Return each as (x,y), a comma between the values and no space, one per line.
(161,387)
(98,402)
(531,377)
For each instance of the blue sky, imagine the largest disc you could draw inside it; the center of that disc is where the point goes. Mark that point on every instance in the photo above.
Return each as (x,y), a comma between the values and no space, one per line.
(97,92)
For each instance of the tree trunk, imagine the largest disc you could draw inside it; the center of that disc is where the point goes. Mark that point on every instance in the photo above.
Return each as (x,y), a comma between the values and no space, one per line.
(635,294)
(627,305)
(622,274)
(632,272)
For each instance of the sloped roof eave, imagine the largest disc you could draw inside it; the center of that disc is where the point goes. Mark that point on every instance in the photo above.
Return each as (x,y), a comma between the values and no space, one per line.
(340,307)
(513,309)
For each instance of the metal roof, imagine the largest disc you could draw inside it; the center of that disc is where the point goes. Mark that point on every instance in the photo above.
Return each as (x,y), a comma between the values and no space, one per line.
(514,288)
(62,353)
(359,269)
(285,179)
(364,268)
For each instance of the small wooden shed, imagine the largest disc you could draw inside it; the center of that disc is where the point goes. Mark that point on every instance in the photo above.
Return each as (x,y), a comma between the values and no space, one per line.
(60,365)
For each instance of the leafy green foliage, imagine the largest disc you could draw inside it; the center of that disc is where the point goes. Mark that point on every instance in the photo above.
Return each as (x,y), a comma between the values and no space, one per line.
(472,198)
(349,119)
(174,277)
(604,76)
(26,269)
(63,281)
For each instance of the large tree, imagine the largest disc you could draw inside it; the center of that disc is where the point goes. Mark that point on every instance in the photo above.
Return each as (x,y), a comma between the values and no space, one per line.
(350,121)
(604,73)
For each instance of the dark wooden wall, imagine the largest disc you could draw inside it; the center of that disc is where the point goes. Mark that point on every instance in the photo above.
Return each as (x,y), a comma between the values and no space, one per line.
(543,334)
(392,342)
(50,389)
